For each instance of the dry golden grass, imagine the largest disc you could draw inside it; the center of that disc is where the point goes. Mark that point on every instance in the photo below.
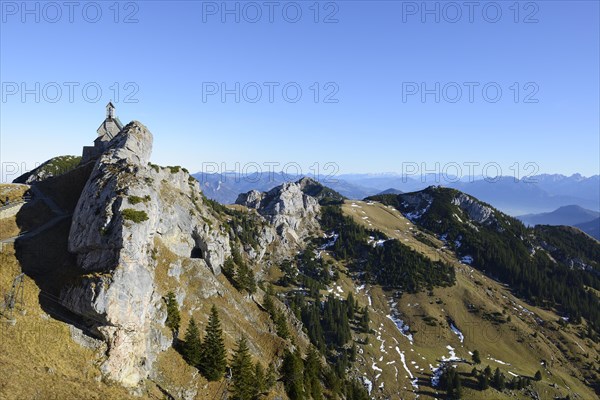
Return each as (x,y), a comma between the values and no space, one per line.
(238,312)
(13,191)
(38,358)
(511,342)
(8,228)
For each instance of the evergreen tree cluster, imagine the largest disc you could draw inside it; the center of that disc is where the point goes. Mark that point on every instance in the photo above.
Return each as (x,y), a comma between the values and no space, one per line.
(497,380)
(451,382)
(502,247)
(316,268)
(237,271)
(249,381)
(209,354)
(306,379)
(327,323)
(392,265)
(277,315)
(244,226)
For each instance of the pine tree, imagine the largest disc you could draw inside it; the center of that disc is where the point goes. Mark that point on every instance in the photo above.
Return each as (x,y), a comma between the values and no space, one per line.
(292,375)
(487,371)
(476,357)
(353,351)
(451,383)
(192,347)
(173,317)
(242,370)
(271,377)
(483,381)
(228,269)
(538,376)
(351,305)
(260,379)
(244,278)
(212,358)
(365,320)
(268,301)
(281,325)
(312,369)
(457,386)
(499,381)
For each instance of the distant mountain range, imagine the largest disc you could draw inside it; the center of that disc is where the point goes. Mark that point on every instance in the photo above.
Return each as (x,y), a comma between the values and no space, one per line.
(592,228)
(567,215)
(225,188)
(391,191)
(538,194)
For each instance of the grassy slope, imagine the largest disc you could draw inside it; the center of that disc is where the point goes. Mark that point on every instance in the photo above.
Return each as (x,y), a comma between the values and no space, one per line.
(510,342)
(38,358)
(239,314)
(14,192)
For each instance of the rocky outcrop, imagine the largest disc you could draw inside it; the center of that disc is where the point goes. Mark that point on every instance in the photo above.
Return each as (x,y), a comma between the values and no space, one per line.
(287,208)
(475,210)
(51,168)
(125,205)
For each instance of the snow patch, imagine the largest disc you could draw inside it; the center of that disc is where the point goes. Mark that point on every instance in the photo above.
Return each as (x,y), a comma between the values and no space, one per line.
(368,384)
(467,260)
(458,333)
(376,368)
(452,354)
(334,237)
(498,361)
(413,380)
(402,328)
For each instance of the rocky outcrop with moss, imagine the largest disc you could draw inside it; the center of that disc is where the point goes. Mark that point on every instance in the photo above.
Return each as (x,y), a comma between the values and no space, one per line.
(53,167)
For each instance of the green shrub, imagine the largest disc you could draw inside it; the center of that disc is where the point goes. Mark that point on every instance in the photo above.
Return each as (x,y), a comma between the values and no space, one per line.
(154,167)
(133,215)
(137,199)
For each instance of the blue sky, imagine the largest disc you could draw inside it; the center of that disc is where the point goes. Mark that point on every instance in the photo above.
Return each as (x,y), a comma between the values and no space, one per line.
(375,61)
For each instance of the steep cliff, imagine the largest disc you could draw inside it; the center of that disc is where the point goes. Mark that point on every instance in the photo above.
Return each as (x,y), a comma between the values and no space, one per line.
(126,205)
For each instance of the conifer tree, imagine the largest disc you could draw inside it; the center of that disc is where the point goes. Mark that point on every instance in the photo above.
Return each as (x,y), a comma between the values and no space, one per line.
(228,269)
(499,381)
(365,320)
(271,377)
(173,317)
(483,382)
(242,371)
(268,301)
(245,279)
(281,325)
(351,305)
(212,358)
(476,357)
(312,369)
(538,376)
(192,347)
(260,379)
(292,374)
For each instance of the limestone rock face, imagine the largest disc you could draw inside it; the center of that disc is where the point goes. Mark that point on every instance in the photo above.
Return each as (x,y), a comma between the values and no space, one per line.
(475,210)
(290,211)
(124,206)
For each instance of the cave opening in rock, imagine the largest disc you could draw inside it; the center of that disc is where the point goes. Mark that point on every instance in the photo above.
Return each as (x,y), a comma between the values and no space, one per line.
(196,253)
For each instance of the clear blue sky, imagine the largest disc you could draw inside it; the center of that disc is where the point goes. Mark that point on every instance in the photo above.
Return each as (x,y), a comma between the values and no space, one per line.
(371,55)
